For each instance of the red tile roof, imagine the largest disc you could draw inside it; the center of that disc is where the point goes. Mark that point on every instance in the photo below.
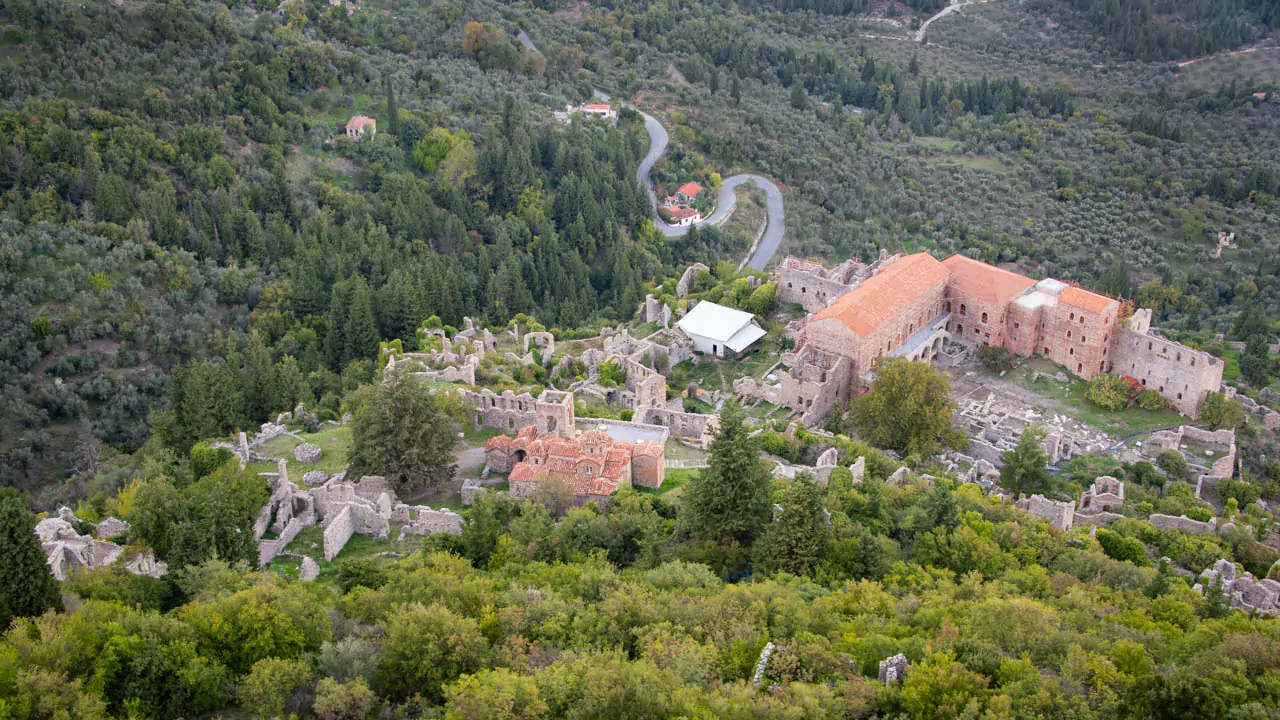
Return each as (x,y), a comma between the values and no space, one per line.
(884,294)
(984,282)
(598,107)
(680,213)
(1085,300)
(690,189)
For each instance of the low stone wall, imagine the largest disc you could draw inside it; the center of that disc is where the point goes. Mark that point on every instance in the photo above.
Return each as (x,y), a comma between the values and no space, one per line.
(1183,524)
(426,521)
(1101,519)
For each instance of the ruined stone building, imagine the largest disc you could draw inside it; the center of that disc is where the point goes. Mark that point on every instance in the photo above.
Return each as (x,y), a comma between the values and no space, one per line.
(919,308)
(1182,375)
(593,466)
(815,287)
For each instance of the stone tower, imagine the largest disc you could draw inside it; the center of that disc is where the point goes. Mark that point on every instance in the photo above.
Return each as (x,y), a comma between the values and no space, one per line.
(555,414)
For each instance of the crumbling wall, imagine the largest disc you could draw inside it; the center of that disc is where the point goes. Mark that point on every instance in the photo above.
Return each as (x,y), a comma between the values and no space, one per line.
(1182,523)
(687,426)
(689,279)
(1059,514)
(1181,375)
(507,411)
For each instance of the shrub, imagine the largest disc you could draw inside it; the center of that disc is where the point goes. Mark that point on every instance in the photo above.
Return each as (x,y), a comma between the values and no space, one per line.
(1118,547)
(996,359)
(1172,462)
(1108,391)
(1151,400)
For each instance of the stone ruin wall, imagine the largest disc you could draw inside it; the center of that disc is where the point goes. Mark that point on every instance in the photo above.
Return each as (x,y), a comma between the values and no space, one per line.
(508,411)
(338,532)
(815,287)
(683,425)
(1181,375)
(808,286)
(689,279)
(817,381)
(1182,523)
(269,549)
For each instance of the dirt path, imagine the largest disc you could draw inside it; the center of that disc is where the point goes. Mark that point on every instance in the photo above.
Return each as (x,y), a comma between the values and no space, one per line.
(953,7)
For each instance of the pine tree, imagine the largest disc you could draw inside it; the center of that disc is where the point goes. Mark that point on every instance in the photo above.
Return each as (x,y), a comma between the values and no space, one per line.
(257,379)
(288,385)
(914,66)
(735,91)
(794,541)
(715,80)
(27,587)
(730,499)
(361,333)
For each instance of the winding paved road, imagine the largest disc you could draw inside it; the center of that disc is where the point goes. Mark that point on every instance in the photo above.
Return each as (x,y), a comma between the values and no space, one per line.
(776,219)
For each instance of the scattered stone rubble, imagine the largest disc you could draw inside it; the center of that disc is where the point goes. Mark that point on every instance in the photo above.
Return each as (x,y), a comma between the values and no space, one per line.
(1243,591)
(307,453)
(66,550)
(763,663)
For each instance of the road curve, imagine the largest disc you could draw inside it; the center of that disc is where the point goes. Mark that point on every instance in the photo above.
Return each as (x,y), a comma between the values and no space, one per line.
(776,220)
(953,7)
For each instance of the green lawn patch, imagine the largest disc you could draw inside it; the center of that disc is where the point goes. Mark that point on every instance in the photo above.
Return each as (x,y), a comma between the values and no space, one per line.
(310,542)
(1124,423)
(673,483)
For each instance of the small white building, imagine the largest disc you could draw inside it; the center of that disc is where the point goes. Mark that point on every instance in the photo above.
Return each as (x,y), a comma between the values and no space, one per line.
(601,111)
(682,216)
(719,330)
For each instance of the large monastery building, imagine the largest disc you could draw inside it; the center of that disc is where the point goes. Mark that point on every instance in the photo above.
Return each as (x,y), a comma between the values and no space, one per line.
(918,308)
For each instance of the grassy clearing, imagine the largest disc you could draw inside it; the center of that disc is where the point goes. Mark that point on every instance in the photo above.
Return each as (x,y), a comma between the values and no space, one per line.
(310,542)
(711,374)
(1074,404)
(942,144)
(676,450)
(672,484)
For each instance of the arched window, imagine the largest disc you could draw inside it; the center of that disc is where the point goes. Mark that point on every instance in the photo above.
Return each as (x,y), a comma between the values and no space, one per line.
(1073,316)
(1079,367)
(984,317)
(948,306)
(962,309)
(1068,334)
(1071,351)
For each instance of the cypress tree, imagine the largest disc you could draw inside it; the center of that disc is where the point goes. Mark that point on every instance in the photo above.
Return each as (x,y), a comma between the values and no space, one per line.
(26,586)
(393,109)
(794,541)
(730,500)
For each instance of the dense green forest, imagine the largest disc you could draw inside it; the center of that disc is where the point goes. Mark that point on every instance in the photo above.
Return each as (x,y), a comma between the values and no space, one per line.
(193,190)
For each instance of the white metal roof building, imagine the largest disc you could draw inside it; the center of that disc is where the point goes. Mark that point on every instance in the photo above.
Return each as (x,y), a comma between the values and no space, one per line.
(715,329)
